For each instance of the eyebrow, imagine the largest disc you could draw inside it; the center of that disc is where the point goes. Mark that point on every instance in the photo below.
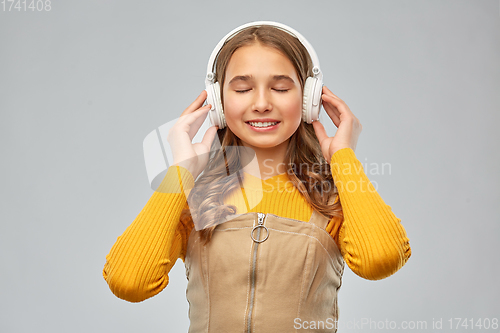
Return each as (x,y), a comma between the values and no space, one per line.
(249,78)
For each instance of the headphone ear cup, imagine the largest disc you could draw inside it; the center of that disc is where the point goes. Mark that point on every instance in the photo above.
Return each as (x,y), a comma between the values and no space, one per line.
(311,101)
(306,100)
(218,106)
(216,113)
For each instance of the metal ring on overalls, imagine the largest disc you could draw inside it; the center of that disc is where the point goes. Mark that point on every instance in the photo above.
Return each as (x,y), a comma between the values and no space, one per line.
(259,226)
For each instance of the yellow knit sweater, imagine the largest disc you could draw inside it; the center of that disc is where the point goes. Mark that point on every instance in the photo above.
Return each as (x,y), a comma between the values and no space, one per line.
(370,237)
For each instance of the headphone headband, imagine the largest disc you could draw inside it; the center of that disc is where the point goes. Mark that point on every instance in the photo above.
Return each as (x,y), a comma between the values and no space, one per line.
(210,78)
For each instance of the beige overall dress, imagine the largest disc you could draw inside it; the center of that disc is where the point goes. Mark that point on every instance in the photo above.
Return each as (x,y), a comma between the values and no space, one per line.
(264,273)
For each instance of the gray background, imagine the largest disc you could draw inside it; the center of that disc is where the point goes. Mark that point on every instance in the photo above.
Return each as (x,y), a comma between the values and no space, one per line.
(83,84)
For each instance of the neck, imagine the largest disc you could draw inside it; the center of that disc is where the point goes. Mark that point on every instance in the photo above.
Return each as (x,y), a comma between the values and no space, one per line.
(267,162)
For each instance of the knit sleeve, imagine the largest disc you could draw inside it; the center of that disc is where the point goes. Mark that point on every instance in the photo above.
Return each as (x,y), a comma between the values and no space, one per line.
(371,238)
(138,264)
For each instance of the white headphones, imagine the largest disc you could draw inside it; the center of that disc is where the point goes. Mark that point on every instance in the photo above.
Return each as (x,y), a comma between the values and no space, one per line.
(312,89)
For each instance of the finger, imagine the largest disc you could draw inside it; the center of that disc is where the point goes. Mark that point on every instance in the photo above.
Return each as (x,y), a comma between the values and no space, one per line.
(192,122)
(331,106)
(209,136)
(200,119)
(190,118)
(329,92)
(198,102)
(320,131)
(340,107)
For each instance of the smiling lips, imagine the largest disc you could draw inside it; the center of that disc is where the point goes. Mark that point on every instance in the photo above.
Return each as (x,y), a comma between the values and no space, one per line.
(263,124)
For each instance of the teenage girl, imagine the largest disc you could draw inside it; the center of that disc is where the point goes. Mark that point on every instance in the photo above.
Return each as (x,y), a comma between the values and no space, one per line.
(264,236)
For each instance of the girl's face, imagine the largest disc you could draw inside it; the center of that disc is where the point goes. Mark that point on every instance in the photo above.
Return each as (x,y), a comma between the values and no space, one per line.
(262,97)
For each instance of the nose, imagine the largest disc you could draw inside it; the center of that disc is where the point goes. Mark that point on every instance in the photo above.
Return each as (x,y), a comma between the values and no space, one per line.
(262,101)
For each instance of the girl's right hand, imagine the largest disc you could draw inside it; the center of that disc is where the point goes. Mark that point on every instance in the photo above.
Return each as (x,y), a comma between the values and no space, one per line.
(193,157)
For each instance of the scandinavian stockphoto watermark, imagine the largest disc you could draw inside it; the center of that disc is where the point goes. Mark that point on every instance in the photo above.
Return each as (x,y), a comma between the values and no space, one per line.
(363,324)
(372,168)
(350,177)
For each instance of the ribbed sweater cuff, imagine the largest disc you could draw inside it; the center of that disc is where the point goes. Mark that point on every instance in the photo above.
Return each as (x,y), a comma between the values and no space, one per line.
(344,165)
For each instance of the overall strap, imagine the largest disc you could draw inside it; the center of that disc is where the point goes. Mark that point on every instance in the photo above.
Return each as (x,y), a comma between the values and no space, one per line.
(319,219)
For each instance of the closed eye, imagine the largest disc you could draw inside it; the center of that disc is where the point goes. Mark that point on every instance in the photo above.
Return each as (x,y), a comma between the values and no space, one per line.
(277,90)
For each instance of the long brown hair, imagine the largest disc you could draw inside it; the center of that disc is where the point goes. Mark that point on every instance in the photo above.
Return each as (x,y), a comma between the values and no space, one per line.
(315,183)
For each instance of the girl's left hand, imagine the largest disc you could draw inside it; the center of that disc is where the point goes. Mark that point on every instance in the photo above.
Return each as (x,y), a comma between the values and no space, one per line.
(348,126)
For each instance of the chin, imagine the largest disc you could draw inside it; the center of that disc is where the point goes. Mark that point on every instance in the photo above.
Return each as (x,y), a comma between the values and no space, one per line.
(264,144)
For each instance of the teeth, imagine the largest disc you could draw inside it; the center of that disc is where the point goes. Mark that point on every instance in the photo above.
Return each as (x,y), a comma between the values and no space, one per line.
(264,124)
